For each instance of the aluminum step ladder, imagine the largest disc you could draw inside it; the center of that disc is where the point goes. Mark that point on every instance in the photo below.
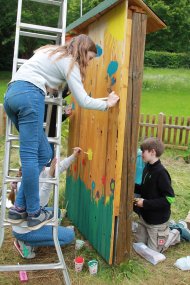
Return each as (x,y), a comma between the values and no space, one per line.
(12,138)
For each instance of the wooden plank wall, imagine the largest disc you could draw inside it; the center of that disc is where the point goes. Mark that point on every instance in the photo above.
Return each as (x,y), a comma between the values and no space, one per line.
(123,239)
(94,183)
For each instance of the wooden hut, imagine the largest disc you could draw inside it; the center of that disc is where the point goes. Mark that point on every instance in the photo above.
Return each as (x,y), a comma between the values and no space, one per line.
(100,185)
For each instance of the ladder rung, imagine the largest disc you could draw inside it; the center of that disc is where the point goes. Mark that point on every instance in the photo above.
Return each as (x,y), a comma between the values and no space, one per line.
(21,60)
(51,223)
(15,146)
(39,36)
(52,2)
(53,101)
(53,140)
(29,267)
(50,139)
(14,169)
(52,180)
(12,138)
(9,179)
(40,28)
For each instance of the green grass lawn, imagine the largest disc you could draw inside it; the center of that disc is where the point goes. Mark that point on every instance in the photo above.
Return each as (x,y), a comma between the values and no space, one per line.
(164,90)
(167,91)
(5,77)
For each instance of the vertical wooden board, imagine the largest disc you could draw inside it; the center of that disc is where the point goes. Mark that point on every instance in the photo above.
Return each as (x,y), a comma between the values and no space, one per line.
(160,125)
(169,130)
(123,242)
(175,131)
(187,132)
(152,128)
(91,200)
(147,127)
(164,129)
(141,127)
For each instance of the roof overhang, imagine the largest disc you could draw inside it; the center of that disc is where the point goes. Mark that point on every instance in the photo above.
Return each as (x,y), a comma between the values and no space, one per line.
(154,23)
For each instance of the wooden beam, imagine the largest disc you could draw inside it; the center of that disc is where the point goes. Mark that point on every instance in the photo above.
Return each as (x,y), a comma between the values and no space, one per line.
(137,9)
(124,238)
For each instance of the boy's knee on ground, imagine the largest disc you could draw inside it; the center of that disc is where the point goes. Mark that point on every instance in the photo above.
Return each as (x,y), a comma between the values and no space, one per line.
(158,238)
(141,235)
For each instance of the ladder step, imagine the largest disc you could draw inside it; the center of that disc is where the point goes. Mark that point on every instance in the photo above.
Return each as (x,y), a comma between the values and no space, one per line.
(15,146)
(54,140)
(38,36)
(51,223)
(20,61)
(40,28)
(12,137)
(14,169)
(52,2)
(52,180)
(50,139)
(53,100)
(29,267)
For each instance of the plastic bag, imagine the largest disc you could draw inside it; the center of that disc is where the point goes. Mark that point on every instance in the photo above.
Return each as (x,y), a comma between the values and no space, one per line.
(183,263)
(149,254)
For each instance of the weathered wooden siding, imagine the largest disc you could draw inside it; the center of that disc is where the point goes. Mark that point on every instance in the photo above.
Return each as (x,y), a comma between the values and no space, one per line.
(98,181)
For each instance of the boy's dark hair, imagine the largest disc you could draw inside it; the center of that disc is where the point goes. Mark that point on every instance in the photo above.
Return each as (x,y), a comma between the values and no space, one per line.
(153,143)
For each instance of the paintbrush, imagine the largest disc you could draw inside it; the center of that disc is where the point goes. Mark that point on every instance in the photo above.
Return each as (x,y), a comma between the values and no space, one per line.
(81,150)
(104,98)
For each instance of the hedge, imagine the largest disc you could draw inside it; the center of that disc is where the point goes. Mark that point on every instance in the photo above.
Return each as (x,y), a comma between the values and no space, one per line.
(167,59)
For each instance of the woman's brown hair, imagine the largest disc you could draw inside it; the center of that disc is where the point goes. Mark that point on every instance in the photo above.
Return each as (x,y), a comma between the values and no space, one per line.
(78,48)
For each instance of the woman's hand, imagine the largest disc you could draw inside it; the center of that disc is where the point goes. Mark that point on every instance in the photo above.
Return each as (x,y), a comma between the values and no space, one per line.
(112,99)
(68,110)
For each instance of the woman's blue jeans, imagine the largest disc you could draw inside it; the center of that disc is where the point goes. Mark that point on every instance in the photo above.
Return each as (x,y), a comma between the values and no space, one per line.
(24,105)
(44,236)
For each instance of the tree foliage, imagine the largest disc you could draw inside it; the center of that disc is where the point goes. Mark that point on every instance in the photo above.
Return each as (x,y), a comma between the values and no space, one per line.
(74,8)
(173,39)
(176,37)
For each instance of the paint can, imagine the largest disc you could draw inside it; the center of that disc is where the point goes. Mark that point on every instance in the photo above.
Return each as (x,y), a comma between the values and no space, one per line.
(79,261)
(79,244)
(93,266)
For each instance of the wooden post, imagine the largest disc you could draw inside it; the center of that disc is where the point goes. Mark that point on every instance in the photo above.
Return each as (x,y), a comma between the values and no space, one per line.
(160,125)
(124,237)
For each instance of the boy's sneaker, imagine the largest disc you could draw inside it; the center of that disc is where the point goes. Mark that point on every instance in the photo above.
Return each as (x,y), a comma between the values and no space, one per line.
(36,222)
(26,251)
(16,216)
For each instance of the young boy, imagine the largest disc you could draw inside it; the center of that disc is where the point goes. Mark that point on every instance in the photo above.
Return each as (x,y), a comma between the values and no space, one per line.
(157,195)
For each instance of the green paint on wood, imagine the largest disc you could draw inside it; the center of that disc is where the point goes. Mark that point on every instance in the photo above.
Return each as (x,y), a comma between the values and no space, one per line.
(93,218)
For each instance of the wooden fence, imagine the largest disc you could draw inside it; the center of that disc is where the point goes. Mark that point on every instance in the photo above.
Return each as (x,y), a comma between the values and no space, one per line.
(173,131)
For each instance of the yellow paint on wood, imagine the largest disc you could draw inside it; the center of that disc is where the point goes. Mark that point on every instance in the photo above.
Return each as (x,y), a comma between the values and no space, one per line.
(122,115)
(115,22)
(121,120)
